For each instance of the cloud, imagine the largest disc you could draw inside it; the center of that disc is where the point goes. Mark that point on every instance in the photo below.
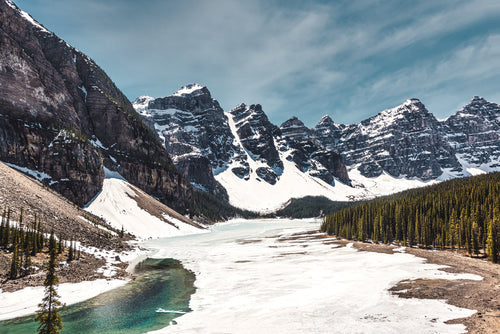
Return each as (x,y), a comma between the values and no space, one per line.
(458,73)
(347,58)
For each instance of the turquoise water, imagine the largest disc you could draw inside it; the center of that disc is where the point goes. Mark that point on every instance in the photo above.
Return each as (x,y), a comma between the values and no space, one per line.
(161,284)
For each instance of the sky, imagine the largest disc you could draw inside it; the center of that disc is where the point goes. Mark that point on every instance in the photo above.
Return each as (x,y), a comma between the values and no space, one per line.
(349,59)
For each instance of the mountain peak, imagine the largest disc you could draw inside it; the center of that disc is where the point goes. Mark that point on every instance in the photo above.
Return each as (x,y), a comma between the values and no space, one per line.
(479,106)
(409,106)
(292,122)
(190,89)
(412,101)
(325,121)
(478,99)
(26,16)
(141,103)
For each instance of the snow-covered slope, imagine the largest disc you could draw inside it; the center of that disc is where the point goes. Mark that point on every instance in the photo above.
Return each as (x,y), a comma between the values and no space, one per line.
(124,205)
(253,193)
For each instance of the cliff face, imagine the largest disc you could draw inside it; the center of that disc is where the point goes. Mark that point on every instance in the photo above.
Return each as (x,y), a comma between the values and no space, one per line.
(403,141)
(194,130)
(63,116)
(309,155)
(474,132)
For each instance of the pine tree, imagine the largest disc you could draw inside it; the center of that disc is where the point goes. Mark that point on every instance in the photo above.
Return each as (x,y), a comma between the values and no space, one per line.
(475,238)
(71,252)
(48,315)
(2,230)
(6,236)
(14,264)
(60,246)
(454,213)
(492,240)
(27,259)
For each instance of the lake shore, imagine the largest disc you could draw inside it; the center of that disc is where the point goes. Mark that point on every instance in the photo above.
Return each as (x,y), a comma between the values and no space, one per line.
(107,270)
(483,295)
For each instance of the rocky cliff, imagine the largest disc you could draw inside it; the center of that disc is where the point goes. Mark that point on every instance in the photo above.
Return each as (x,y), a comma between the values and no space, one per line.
(402,141)
(60,114)
(310,156)
(204,141)
(194,131)
(474,133)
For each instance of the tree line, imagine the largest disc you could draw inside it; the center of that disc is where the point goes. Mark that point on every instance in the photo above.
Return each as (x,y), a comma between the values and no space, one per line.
(26,240)
(461,214)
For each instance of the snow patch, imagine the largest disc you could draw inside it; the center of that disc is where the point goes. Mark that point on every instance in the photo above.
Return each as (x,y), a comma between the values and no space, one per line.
(188,89)
(116,204)
(40,176)
(26,16)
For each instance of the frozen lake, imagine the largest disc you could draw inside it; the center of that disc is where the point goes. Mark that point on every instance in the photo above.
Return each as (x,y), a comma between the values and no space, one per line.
(280,276)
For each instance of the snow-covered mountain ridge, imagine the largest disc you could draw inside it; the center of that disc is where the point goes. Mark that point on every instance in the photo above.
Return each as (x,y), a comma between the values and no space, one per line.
(260,165)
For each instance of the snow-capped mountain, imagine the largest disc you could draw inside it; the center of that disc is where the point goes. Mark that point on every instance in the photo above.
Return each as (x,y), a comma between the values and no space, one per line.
(261,166)
(474,133)
(256,136)
(309,156)
(327,132)
(240,150)
(195,132)
(409,142)
(63,117)
(403,141)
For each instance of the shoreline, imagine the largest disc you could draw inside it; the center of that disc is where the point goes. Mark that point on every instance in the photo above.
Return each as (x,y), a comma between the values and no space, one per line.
(482,296)
(24,301)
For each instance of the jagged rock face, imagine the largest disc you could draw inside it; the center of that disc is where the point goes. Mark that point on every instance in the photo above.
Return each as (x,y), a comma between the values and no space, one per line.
(294,129)
(474,132)
(256,133)
(78,170)
(327,132)
(309,156)
(51,87)
(195,131)
(405,140)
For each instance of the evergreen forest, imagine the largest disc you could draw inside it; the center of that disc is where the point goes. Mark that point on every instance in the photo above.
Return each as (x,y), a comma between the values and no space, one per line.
(460,214)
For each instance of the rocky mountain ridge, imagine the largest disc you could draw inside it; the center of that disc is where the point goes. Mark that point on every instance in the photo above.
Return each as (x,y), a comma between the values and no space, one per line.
(408,141)
(61,115)
(403,142)
(474,133)
(194,128)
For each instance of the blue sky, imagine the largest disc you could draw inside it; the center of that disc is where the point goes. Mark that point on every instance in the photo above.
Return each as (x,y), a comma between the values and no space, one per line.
(348,59)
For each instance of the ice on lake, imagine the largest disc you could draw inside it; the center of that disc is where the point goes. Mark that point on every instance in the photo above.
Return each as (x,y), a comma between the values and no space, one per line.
(279,276)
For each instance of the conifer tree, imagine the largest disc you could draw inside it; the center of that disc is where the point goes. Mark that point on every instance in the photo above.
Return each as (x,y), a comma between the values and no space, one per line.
(2,231)
(48,315)
(454,213)
(7,231)
(59,247)
(27,258)
(71,252)
(14,265)
(492,241)
(475,238)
